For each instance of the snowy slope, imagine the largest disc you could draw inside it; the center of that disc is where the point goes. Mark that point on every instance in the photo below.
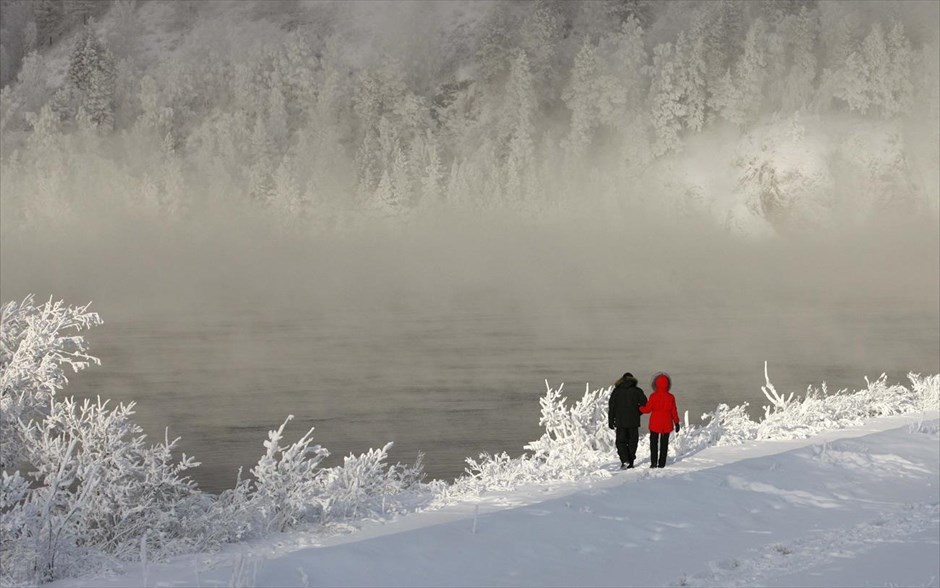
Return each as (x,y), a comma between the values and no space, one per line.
(856,507)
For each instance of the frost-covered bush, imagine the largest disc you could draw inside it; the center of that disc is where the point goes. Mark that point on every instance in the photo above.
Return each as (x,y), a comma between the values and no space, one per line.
(37,343)
(577,444)
(365,485)
(572,434)
(819,410)
(724,426)
(81,485)
(96,490)
(285,489)
(290,488)
(82,490)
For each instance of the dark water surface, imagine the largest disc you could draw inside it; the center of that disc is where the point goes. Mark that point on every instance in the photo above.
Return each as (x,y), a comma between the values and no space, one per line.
(454,382)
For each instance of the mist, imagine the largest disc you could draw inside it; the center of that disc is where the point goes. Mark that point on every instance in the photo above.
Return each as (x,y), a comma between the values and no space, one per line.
(415,333)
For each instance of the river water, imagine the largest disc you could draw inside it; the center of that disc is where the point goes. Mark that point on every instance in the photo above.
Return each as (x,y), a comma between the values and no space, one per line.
(440,337)
(458,381)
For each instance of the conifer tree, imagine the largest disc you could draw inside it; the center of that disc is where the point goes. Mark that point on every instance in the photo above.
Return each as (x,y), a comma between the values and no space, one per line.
(91,73)
(798,85)
(520,112)
(901,58)
(666,108)
(50,17)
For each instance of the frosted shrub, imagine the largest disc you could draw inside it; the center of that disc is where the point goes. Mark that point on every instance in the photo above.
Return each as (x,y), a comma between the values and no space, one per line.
(286,489)
(365,485)
(576,443)
(574,437)
(926,390)
(81,486)
(724,426)
(97,489)
(495,472)
(290,488)
(819,410)
(83,490)
(36,344)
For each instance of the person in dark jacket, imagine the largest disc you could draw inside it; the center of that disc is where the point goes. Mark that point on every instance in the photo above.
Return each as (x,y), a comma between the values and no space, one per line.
(623,414)
(664,418)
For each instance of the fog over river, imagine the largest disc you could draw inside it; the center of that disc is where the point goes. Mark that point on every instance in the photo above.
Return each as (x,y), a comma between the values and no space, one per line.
(439,336)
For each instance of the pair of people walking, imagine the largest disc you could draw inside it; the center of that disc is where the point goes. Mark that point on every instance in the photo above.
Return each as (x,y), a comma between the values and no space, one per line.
(627,403)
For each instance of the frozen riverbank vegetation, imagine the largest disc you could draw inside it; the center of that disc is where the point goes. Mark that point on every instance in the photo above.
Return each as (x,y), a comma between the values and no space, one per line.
(84,490)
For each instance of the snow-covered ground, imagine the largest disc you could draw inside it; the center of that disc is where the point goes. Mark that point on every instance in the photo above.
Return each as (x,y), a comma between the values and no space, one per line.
(851,507)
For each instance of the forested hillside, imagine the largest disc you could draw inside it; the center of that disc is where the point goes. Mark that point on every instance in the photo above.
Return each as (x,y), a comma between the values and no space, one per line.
(762,117)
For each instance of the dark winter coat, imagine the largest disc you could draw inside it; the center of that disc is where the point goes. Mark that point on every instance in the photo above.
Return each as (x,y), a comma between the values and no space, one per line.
(623,409)
(661,406)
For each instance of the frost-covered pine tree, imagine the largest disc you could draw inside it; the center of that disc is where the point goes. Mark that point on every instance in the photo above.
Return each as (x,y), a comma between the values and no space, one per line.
(428,172)
(739,94)
(540,35)
(50,20)
(752,70)
(629,59)
(901,56)
(665,100)
(384,201)
(288,198)
(91,73)
(401,177)
(277,116)
(691,80)
(582,98)
(80,11)
(875,75)
(260,170)
(800,33)
(520,112)
(171,176)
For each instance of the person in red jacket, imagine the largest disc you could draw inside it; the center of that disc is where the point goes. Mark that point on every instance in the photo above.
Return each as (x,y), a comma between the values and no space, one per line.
(664,418)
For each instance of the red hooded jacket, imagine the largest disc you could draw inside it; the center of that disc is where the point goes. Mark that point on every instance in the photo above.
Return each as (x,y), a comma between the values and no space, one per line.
(661,406)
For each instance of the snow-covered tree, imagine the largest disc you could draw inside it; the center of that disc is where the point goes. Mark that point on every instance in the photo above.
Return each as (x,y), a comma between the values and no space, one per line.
(585,98)
(520,112)
(277,116)
(91,73)
(261,169)
(665,100)
(628,62)
(539,36)
(691,81)
(125,34)
(877,76)
(752,70)
(50,20)
(739,94)
(80,11)
(899,96)
(800,32)
(288,198)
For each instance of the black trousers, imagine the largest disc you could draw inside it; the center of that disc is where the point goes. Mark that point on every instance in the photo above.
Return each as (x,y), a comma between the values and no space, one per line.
(659,447)
(627,439)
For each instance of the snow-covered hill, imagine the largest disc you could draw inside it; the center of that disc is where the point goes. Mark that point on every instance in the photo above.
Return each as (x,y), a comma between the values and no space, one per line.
(757,117)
